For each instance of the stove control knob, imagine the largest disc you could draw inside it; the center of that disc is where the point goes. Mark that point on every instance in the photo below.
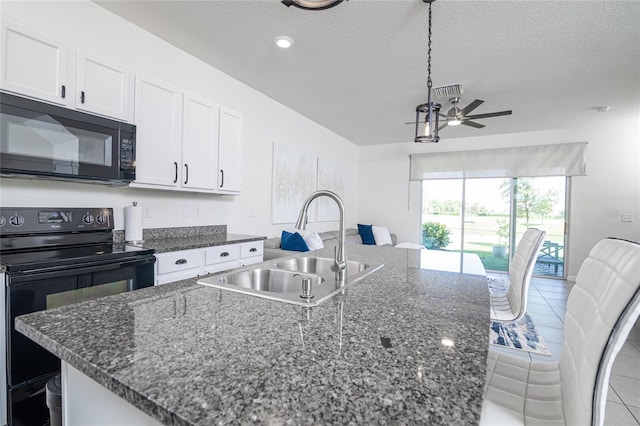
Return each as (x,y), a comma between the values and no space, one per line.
(101,218)
(16,220)
(3,221)
(87,218)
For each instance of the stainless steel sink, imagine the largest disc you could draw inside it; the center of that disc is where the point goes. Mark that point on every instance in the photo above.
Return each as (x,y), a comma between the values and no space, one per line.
(283,281)
(319,265)
(271,280)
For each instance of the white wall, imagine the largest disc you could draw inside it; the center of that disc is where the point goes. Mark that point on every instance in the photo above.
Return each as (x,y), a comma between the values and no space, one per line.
(611,187)
(87,26)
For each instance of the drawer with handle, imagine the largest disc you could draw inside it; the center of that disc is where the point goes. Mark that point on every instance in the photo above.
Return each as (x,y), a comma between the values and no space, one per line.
(219,254)
(251,249)
(179,261)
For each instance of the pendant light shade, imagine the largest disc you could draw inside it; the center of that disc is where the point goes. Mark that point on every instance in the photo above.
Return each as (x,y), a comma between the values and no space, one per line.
(427,122)
(428,115)
(312,4)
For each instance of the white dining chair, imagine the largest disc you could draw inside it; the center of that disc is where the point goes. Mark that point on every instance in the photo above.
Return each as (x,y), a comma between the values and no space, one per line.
(602,308)
(512,305)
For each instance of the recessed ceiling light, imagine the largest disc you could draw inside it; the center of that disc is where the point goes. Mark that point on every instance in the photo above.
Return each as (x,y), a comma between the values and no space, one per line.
(283,42)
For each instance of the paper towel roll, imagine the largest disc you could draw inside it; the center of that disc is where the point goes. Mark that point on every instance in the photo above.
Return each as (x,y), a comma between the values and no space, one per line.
(133,223)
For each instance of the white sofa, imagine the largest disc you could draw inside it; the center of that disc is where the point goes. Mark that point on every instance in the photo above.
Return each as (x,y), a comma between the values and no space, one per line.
(272,248)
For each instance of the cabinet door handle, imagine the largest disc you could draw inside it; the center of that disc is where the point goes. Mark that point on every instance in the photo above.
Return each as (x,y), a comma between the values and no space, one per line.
(64,91)
(186,172)
(222,183)
(176,178)
(181,261)
(82,97)
(253,250)
(224,254)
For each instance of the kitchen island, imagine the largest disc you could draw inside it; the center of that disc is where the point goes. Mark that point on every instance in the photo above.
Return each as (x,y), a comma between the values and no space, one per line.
(405,345)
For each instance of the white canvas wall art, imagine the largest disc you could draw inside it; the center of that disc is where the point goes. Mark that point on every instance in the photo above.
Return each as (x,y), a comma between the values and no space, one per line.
(331,177)
(293,179)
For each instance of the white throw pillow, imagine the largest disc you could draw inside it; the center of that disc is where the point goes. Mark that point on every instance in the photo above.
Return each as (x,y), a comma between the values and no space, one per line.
(381,235)
(313,240)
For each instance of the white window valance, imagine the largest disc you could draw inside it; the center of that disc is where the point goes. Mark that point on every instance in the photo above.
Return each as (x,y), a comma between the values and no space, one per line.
(567,159)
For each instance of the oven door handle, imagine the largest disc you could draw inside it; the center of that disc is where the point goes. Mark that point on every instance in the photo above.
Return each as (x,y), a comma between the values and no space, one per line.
(63,271)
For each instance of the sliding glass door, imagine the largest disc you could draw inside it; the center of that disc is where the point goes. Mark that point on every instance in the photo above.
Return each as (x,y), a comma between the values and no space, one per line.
(540,203)
(488,217)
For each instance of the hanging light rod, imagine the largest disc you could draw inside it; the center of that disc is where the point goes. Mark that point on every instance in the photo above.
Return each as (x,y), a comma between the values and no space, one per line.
(313,4)
(428,115)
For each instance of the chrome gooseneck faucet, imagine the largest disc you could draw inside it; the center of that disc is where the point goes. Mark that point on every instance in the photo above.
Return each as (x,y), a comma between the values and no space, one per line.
(340,259)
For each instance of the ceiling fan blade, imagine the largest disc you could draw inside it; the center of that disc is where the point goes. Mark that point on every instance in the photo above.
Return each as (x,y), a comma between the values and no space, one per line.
(443,126)
(489,114)
(473,105)
(473,124)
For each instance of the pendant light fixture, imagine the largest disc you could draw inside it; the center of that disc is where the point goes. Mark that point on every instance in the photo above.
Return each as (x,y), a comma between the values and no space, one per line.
(428,115)
(312,4)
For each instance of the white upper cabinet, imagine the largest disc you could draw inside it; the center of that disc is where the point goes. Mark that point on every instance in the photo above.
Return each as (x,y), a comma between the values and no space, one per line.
(104,87)
(36,66)
(230,151)
(184,141)
(33,64)
(158,118)
(199,143)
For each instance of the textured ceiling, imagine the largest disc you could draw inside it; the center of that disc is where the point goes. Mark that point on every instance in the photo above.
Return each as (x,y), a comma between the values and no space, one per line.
(360,68)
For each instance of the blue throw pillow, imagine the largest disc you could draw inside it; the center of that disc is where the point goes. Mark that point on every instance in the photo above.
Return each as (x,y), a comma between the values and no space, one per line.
(366,233)
(295,242)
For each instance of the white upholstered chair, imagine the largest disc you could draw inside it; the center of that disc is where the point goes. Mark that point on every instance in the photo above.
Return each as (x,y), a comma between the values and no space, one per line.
(602,308)
(512,305)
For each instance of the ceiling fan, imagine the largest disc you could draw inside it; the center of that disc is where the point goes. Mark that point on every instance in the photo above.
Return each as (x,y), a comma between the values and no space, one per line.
(456,116)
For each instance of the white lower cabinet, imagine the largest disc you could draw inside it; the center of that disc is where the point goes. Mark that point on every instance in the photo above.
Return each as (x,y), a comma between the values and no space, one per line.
(251,252)
(221,258)
(181,265)
(87,402)
(178,265)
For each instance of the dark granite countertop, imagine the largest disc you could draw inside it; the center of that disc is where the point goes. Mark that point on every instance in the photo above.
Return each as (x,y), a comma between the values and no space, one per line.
(187,354)
(176,243)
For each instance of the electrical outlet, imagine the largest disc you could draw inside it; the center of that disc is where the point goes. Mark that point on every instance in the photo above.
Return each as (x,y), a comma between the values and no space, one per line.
(196,212)
(627,218)
(186,211)
(146,211)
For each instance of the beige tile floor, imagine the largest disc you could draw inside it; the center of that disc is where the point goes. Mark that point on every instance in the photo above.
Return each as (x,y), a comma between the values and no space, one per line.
(547,306)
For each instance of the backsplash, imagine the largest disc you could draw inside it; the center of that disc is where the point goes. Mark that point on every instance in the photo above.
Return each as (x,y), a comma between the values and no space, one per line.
(178,232)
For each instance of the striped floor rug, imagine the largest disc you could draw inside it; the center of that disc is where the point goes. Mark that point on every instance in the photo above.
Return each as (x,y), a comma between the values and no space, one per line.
(519,335)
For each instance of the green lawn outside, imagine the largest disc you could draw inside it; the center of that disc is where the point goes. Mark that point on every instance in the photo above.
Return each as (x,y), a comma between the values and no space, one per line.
(481,234)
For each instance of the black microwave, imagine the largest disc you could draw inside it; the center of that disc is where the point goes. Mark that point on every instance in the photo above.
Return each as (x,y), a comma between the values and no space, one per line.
(46,141)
